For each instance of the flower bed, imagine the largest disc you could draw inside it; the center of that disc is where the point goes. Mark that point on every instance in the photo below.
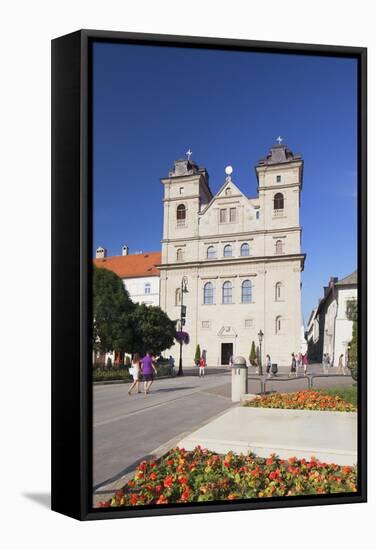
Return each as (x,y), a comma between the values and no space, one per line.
(200,475)
(310,399)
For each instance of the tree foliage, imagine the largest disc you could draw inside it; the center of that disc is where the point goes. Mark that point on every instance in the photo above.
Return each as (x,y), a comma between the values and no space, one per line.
(352,315)
(112,309)
(153,330)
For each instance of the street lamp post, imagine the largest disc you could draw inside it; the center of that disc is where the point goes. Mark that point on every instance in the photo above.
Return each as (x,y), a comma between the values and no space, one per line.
(260,337)
(183,310)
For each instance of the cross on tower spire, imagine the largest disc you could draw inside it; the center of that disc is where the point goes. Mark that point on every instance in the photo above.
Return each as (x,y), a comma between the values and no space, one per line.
(189,154)
(279,139)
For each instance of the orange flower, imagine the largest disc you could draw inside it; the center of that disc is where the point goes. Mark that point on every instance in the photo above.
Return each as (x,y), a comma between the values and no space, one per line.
(232,496)
(162,500)
(153,476)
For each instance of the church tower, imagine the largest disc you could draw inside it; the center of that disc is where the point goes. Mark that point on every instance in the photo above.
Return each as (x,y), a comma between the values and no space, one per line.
(186,192)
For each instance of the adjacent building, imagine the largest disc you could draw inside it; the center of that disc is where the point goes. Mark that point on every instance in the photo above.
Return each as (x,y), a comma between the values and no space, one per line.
(137,271)
(329,330)
(241,258)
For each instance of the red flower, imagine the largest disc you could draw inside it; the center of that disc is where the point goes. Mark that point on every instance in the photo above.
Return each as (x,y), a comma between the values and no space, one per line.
(168,481)
(273,475)
(134,499)
(162,500)
(152,476)
(104,504)
(185,495)
(183,480)
(226,464)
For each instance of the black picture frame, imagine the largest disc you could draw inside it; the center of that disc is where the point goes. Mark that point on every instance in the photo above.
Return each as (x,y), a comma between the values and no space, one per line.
(71,273)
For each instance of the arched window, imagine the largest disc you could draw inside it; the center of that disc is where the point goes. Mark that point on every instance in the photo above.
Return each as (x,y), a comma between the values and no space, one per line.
(228,191)
(244,249)
(278,324)
(211,253)
(227,251)
(178,297)
(227,293)
(279,247)
(246,292)
(208,293)
(278,292)
(279,201)
(179,255)
(181,214)
(257,215)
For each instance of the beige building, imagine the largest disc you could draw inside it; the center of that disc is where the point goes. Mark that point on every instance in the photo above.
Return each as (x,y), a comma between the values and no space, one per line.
(241,257)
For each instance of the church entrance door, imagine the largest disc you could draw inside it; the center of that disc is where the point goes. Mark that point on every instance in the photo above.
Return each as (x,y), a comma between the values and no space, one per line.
(226,352)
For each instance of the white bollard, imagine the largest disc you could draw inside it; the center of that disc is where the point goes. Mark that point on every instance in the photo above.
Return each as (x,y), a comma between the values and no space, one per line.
(239,378)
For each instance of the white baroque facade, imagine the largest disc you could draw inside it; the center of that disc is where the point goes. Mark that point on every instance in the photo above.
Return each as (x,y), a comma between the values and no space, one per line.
(241,257)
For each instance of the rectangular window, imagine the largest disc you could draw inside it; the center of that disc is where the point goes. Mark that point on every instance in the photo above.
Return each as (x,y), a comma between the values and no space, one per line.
(232,214)
(181,190)
(248,323)
(278,179)
(223,215)
(147,288)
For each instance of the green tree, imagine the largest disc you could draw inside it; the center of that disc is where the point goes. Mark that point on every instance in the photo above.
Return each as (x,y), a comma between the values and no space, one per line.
(352,315)
(198,354)
(252,355)
(112,309)
(153,330)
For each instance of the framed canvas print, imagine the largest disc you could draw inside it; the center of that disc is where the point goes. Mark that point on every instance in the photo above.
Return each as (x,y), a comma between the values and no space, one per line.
(209,275)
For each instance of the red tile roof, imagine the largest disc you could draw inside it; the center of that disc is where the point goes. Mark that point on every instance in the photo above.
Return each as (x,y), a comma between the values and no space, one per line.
(132,265)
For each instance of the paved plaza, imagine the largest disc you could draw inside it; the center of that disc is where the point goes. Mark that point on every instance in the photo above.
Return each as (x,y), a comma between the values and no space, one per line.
(128,429)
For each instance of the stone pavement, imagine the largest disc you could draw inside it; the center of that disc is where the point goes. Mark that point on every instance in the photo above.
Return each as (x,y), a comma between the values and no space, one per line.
(128,429)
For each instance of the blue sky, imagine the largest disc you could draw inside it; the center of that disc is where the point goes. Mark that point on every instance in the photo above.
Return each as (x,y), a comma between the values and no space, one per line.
(153,103)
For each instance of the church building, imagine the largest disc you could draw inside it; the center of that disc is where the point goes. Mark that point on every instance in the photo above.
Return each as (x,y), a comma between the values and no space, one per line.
(240,258)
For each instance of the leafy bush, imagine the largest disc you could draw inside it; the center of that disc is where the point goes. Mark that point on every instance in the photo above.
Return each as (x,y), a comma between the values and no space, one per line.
(252,355)
(197,354)
(200,475)
(309,399)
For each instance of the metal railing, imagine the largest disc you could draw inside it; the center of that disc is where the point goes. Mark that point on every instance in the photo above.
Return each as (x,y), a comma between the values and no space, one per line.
(308,377)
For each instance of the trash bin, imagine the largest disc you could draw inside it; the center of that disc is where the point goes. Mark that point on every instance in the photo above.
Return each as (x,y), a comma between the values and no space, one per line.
(274,368)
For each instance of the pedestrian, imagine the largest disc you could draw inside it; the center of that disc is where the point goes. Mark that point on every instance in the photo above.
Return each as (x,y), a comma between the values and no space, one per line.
(324,363)
(293,366)
(148,370)
(341,365)
(134,371)
(268,365)
(231,360)
(327,363)
(171,363)
(305,362)
(201,370)
(300,360)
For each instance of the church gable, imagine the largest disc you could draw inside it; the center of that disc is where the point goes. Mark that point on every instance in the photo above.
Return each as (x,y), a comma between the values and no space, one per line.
(229,211)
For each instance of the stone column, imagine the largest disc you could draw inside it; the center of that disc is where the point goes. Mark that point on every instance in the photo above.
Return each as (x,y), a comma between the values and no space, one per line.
(239,378)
